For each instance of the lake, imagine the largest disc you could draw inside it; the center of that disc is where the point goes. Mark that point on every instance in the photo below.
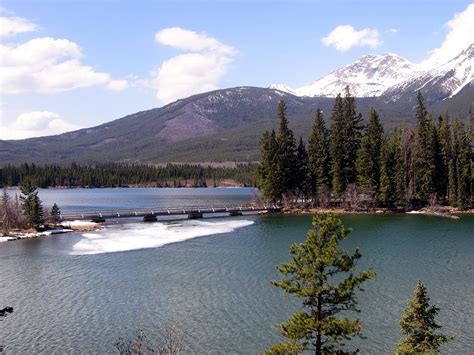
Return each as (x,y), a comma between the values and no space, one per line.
(80,292)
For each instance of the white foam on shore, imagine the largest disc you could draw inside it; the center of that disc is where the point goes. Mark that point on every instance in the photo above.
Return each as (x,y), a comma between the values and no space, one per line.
(143,235)
(77,223)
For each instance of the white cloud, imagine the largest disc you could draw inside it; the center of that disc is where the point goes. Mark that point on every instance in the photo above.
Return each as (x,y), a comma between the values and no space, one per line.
(117,85)
(393,30)
(36,124)
(191,41)
(47,65)
(344,37)
(458,38)
(190,73)
(10,26)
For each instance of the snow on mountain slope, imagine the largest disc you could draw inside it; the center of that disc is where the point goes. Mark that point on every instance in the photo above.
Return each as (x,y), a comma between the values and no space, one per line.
(438,83)
(370,76)
(392,77)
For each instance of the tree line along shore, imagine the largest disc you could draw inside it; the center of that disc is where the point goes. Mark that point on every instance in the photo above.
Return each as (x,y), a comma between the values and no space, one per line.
(361,167)
(126,175)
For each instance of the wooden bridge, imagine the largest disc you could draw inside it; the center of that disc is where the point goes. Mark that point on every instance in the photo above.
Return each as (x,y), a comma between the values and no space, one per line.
(152,214)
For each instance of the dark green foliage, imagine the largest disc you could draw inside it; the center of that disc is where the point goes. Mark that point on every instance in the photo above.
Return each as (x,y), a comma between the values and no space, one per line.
(406,168)
(368,157)
(424,153)
(323,276)
(55,213)
(345,142)
(285,152)
(301,173)
(267,172)
(337,148)
(419,327)
(116,175)
(279,172)
(462,164)
(318,152)
(31,204)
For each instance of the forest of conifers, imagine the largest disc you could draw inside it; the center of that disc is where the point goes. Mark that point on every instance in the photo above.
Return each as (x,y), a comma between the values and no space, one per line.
(120,175)
(363,166)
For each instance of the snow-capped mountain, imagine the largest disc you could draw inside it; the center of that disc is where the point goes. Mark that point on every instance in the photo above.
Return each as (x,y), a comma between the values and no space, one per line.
(392,76)
(370,76)
(437,83)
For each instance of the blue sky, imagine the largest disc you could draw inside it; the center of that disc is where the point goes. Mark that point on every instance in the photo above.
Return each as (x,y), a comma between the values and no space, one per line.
(113,52)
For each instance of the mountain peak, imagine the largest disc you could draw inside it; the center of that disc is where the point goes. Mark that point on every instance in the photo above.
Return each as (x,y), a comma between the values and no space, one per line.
(369,76)
(375,75)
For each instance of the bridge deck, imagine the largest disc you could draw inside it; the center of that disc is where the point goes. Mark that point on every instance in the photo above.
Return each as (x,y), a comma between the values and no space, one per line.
(162,211)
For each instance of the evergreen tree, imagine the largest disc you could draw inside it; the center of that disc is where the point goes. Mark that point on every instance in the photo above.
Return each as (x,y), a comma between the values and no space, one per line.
(301,174)
(424,154)
(400,167)
(285,157)
(322,275)
(368,157)
(443,155)
(318,152)
(352,135)
(463,164)
(31,204)
(419,327)
(55,213)
(337,148)
(345,142)
(387,193)
(6,212)
(266,171)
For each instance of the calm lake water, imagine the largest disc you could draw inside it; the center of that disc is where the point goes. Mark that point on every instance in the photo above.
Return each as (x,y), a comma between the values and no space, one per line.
(80,292)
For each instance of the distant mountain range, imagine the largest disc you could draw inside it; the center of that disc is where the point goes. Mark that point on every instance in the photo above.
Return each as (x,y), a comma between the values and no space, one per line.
(226,125)
(392,77)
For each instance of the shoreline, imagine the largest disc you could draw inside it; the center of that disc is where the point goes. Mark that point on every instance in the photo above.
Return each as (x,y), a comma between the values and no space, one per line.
(86,226)
(67,227)
(449,212)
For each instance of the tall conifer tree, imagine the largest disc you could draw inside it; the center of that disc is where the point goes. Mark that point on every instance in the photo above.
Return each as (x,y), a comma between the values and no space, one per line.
(424,153)
(322,275)
(318,151)
(419,326)
(368,157)
(285,158)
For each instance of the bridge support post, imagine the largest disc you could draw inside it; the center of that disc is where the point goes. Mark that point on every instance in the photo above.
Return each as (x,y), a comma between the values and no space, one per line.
(194,215)
(150,218)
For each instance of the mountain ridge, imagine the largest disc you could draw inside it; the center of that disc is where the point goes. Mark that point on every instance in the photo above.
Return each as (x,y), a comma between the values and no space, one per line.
(386,75)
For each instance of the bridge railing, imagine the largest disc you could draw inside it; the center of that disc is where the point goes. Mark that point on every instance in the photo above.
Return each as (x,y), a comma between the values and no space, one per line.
(130,212)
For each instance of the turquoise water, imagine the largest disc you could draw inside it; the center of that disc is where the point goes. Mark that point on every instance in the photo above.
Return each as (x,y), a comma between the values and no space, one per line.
(72,294)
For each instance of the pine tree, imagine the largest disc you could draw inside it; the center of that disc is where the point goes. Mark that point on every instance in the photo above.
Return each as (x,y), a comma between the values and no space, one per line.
(463,164)
(424,154)
(337,148)
(6,212)
(318,152)
(387,194)
(400,167)
(55,213)
(345,142)
(353,135)
(301,173)
(322,275)
(419,327)
(285,157)
(368,156)
(31,203)
(266,171)
(443,154)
